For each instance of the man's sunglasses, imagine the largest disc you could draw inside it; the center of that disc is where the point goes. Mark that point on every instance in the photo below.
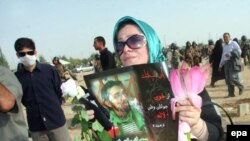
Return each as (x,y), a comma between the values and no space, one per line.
(133,42)
(22,54)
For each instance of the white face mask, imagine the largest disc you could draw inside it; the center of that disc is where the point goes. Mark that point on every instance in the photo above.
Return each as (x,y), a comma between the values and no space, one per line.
(28,60)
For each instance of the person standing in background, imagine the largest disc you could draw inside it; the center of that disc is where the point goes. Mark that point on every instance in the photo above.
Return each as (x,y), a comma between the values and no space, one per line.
(188,54)
(230,59)
(64,73)
(106,57)
(210,48)
(215,61)
(42,95)
(97,63)
(196,54)
(175,60)
(12,123)
(245,46)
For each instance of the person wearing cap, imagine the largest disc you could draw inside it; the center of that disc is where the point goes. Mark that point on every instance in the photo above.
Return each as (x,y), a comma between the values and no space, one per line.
(196,54)
(210,48)
(245,46)
(175,59)
(188,54)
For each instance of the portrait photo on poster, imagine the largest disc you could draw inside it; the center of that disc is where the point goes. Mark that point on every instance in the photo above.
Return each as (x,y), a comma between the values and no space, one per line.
(138,101)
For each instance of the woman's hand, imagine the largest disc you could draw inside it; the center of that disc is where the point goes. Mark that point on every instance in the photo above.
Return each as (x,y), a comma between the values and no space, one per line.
(191,115)
(188,112)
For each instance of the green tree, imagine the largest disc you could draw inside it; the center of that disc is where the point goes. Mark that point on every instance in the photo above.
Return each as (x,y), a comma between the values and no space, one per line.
(64,58)
(42,59)
(3,61)
(92,57)
(78,61)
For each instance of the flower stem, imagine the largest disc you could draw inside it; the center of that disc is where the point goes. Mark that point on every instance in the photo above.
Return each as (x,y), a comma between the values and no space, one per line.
(188,136)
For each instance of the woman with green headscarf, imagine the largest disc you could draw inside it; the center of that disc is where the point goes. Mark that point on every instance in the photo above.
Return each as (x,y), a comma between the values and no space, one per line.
(137,43)
(143,31)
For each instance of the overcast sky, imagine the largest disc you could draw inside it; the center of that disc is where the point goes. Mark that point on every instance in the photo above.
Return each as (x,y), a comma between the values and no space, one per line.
(67,27)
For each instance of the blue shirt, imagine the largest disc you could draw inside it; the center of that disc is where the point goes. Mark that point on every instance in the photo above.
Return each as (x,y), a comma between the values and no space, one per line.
(42,97)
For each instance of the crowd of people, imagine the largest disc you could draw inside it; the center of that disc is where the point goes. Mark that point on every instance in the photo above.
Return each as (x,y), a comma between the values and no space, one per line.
(37,85)
(226,58)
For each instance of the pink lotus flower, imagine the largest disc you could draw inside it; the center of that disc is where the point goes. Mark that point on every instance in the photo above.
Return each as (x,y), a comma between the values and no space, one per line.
(187,84)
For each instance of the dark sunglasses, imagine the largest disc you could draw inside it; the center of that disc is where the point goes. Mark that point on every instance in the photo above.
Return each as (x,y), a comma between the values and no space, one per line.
(133,42)
(21,54)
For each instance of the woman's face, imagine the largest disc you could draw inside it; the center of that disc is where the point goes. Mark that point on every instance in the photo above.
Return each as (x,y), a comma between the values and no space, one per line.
(131,56)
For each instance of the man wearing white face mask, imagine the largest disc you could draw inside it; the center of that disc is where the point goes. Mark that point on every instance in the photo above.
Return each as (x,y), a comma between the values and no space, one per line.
(42,95)
(28,59)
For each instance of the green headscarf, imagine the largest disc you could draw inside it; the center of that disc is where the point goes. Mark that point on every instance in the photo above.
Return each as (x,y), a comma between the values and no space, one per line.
(153,42)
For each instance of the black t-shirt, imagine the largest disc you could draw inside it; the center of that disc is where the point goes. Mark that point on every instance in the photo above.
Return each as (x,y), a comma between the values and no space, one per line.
(107,60)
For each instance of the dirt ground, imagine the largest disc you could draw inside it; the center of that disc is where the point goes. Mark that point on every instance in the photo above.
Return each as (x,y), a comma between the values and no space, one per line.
(217,93)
